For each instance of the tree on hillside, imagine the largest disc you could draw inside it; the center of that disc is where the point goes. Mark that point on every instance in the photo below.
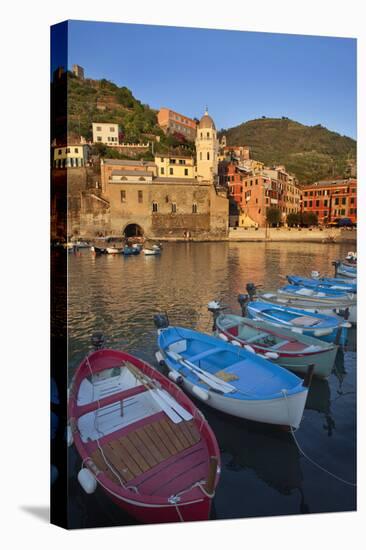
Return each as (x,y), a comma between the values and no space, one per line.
(273,216)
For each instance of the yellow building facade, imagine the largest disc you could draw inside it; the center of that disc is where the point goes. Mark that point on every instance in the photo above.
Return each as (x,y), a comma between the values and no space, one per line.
(173,166)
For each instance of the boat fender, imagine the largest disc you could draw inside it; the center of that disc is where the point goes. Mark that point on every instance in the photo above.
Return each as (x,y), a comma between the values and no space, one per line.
(223,337)
(160,359)
(87,480)
(296,329)
(249,348)
(236,343)
(69,436)
(271,355)
(176,377)
(323,332)
(200,393)
(346,324)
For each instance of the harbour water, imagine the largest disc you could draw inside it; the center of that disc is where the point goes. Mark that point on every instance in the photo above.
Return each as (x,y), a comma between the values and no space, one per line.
(263,471)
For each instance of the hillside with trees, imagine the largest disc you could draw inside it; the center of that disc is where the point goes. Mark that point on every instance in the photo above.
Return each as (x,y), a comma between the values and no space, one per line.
(310,152)
(103,101)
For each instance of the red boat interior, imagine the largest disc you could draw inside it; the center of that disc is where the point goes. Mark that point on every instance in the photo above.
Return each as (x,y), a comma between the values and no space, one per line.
(151,453)
(159,458)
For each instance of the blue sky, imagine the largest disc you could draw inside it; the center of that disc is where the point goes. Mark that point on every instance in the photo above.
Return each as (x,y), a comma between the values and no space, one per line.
(239,75)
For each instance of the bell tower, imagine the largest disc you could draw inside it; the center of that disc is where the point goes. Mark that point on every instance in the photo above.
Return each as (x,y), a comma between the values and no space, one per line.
(206,149)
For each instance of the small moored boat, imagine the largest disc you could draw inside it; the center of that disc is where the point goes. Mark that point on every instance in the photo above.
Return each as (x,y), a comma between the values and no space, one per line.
(114,250)
(141,440)
(151,251)
(345,270)
(291,350)
(131,251)
(300,321)
(97,250)
(323,282)
(232,379)
(309,300)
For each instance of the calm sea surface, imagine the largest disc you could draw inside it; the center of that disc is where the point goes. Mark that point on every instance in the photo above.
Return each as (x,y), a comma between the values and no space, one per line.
(263,472)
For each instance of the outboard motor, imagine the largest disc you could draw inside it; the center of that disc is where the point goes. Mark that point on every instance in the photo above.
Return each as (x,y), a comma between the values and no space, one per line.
(336,264)
(243,300)
(161,320)
(215,308)
(251,290)
(98,340)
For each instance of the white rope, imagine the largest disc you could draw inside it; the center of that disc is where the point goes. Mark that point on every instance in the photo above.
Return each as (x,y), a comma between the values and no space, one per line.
(284,392)
(113,470)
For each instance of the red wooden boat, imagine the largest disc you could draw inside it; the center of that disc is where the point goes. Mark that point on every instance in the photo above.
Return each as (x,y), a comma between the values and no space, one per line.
(142,440)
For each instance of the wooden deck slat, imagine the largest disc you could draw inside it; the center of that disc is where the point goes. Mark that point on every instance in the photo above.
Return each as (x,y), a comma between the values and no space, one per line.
(137,455)
(139,451)
(150,445)
(99,461)
(158,442)
(143,450)
(194,432)
(180,435)
(123,447)
(161,440)
(188,434)
(116,460)
(172,436)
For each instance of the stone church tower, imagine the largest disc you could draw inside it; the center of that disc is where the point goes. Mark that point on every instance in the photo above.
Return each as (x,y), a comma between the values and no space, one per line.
(206,149)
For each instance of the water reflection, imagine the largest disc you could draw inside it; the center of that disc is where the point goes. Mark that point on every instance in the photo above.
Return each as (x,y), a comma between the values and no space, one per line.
(119,297)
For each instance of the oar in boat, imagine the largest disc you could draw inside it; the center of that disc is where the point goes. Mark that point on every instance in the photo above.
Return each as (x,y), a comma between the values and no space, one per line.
(206,377)
(175,411)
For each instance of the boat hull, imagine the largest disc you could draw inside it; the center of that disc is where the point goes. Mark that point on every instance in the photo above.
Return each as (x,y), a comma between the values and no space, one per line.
(197,511)
(285,411)
(176,465)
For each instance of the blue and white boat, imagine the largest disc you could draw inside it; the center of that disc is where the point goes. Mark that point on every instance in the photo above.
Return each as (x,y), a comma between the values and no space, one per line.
(232,379)
(325,327)
(345,270)
(323,293)
(321,283)
(130,251)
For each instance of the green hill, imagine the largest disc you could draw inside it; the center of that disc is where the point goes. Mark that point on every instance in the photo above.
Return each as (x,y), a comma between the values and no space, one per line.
(309,152)
(103,101)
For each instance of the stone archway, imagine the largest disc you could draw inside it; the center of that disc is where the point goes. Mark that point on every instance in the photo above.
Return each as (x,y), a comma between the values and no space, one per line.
(133,230)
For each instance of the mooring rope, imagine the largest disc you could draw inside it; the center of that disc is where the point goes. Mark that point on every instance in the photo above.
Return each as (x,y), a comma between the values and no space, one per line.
(284,392)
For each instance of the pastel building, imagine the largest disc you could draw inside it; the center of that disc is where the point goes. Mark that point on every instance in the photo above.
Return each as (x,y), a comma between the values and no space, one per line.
(70,156)
(172,122)
(331,199)
(106,133)
(175,166)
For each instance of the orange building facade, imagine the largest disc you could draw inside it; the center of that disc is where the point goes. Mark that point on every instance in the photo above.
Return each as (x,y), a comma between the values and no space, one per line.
(330,200)
(171,122)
